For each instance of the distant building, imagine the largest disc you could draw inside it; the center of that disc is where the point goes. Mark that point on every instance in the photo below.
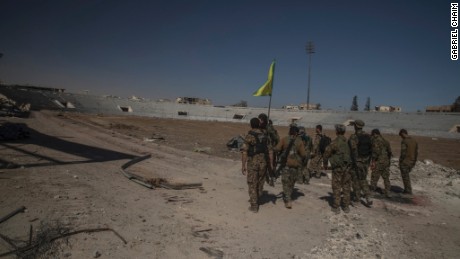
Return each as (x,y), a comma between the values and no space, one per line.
(193,100)
(291,107)
(442,108)
(311,106)
(383,108)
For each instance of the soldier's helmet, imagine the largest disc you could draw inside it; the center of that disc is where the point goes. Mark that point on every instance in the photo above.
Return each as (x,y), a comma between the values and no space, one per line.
(340,128)
(359,124)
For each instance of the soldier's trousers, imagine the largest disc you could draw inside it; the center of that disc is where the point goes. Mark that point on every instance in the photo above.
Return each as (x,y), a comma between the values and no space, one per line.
(304,174)
(316,163)
(359,180)
(288,177)
(384,172)
(341,183)
(256,180)
(405,170)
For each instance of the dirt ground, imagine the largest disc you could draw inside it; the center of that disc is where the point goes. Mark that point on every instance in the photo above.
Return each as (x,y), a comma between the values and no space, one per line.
(67,174)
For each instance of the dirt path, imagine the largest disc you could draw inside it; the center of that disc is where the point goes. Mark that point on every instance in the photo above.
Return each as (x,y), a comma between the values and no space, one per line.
(70,172)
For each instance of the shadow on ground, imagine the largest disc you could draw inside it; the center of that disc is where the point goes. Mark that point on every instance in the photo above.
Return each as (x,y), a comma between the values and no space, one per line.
(78,153)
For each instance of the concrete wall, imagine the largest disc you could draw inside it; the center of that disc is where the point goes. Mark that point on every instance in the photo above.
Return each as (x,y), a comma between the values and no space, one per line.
(423,124)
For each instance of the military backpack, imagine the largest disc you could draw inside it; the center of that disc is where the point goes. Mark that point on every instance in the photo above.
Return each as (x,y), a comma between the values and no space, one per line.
(364,145)
(261,144)
(341,158)
(323,143)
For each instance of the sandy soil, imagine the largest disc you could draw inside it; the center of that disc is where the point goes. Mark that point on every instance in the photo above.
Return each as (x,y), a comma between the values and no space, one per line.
(68,175)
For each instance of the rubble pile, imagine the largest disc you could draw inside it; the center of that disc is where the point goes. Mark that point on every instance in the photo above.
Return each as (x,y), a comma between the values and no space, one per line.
(428,173)
(9,107)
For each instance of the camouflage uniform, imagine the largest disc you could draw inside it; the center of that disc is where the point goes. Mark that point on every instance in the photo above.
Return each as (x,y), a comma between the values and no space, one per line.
(257,166)
(304,176)
(273,135)
(316,156)
(293,165)
(407,160)
(273,138)
(360,168)
(381,155)
(338,153)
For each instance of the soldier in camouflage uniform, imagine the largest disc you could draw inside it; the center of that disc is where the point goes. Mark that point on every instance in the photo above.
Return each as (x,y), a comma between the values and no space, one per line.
(380,162)
(266,125)
(360,164)
(338,154)
(408,158)
(304,176)
(293,149)
(316,156)
(255,158)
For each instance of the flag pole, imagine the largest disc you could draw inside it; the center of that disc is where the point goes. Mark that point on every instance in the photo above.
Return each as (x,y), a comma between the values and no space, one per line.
(273,82)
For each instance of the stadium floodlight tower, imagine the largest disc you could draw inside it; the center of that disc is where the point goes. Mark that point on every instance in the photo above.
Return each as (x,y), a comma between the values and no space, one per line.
(310,48)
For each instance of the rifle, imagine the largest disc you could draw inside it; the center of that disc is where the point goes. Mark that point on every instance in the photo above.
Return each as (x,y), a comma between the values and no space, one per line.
(270,175)
(283,159)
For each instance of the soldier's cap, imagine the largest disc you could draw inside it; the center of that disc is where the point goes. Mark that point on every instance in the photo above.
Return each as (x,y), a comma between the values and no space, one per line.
(358,124)
(340,128)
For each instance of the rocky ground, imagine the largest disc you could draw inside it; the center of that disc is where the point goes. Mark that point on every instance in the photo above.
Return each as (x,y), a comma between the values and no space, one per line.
(67,173)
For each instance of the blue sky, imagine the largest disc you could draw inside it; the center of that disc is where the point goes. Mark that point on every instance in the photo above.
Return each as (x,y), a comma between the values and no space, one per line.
(394,52)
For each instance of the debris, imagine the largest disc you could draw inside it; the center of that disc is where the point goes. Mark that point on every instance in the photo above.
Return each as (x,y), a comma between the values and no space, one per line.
(154,138)
(212,252)
(153,182)
(5,218)
(235,143)
(202,149)
(179,199)
(428,162)
(61,233)
(96,254)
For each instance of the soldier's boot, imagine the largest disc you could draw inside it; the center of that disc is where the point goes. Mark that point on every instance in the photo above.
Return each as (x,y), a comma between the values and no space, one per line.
(288,204)
(354,199)
(346,209)
(407,186)
(408,190)
(368,202)
(254,208)
(299,179)
(386,192)
(373,188)
(336,210)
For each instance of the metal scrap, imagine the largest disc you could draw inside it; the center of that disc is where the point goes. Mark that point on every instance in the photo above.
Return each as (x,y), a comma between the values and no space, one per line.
(212,252)
(153,182)
(20,250)
(11,214)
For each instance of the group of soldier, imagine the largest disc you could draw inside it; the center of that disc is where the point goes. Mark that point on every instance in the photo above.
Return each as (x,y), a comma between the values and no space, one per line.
(297,157)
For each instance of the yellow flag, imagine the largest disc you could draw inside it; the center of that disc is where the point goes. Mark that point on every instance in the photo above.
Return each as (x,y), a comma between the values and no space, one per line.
(267,88)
